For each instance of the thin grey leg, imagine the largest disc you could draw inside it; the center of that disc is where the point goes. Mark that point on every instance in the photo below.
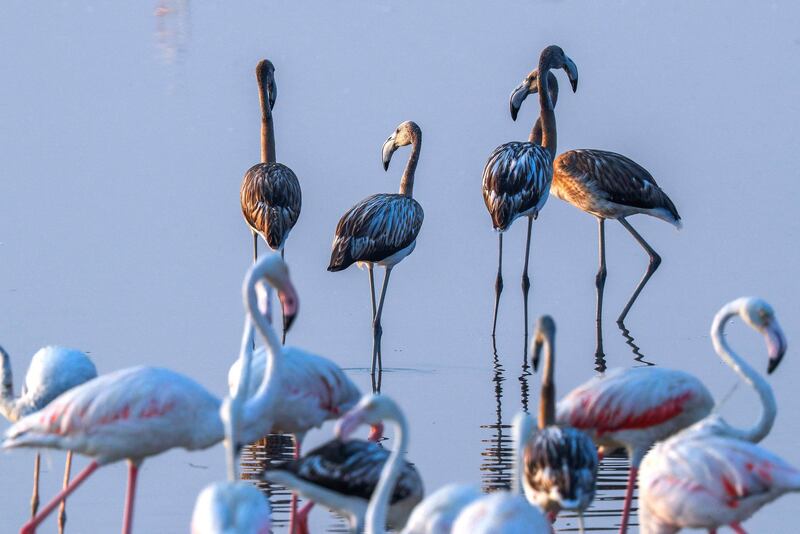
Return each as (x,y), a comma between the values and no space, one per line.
(378,331)
(600,283)
(283,336)
(255,247)
(498,284)
(62,509)
(526,283)
(35,497)
(655,261)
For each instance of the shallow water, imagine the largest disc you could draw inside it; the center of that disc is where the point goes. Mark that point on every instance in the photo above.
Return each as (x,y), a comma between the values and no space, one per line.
(126,130)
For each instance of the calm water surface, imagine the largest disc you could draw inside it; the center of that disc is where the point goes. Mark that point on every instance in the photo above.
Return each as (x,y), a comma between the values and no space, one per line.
(126,129)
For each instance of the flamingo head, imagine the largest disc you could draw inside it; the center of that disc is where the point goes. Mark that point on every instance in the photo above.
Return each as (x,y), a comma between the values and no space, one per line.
(275,272)
(529,86)
(553,57)
(371,410)
(759,315)
(265,73)
(544,332)
(405,134)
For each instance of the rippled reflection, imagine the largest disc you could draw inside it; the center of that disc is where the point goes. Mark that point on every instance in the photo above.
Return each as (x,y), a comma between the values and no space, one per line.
(255,459)
(172,29)
(631,342)
(498,455)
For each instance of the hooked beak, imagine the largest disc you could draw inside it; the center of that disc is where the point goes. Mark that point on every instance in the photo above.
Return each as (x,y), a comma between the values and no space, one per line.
(347,425)
(776,345)
(537,353)
(272,92)
(388,149)
(290,305)
(572,73)
(517,97)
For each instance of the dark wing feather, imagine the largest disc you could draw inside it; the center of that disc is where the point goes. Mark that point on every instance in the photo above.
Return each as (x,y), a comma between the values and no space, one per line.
(621,180)
(562,458)
(351,468)
(374,229)
(271,200)
(516,178)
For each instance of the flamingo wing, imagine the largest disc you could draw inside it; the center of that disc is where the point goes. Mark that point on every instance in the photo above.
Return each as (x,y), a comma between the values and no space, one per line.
(271,200)
(225,507)
(501,512)
(437,513)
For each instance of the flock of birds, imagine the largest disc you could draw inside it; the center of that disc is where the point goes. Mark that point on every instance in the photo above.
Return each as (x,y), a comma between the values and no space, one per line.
(694,469)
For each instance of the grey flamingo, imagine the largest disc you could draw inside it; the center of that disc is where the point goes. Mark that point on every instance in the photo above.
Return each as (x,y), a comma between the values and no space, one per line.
(270,194)
(517,175)
(382,229)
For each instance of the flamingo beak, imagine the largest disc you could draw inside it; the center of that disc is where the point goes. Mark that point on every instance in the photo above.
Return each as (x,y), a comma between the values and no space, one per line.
(388,149)
(572,73)
(537,353)
(776,345)
(347,425)
(272,90)
(517,97)
(290,305)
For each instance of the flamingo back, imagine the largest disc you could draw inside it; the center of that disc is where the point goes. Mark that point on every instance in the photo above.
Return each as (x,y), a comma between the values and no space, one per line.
(54,370)
(438,512)
(231,508)
(131,413)
(501,513)
(704,481)
(271,200)
(635,407)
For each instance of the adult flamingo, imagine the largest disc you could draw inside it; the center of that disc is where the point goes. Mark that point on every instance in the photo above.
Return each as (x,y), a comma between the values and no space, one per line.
(635,408)
(382,229)
(52,371)
(139,412)
(505,512)
(270,194)
(699,480)
(343,474)
(517,176)
(560,461)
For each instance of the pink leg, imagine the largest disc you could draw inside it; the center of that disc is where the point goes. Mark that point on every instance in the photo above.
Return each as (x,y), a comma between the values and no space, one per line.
(552,516)
(30,526)
(302,518)
(626,511)
(737,528)
(127,516)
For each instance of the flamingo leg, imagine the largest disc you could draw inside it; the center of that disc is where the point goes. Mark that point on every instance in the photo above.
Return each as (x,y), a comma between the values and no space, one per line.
(30,526)
(626,510)
(62,510)
(498,284)
(378,330)
(737,528)
(255,247)
(283,334)
(294,526)
(581,526)
(35,497)
(127,516)
(526,282)
(600,283)
(302,518)
(655,261)
(370,267)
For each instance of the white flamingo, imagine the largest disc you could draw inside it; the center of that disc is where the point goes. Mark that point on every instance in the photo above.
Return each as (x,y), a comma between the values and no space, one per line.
(506,512)
(343,474)
(635,408)
(139,412)
(52,371)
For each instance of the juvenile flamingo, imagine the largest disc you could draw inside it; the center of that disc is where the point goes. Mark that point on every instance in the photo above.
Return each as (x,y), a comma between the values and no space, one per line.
(382,229)
(52,371)
(635,408)
(560,461)
(505,512)
(343,474)
(139,412)
(270,194)
(698,480)
(517,176)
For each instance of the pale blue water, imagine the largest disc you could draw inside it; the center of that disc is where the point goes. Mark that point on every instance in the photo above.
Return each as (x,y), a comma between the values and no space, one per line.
(126,129)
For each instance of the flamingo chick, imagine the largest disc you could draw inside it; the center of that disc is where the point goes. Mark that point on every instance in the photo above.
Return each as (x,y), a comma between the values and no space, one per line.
(52,371)
(139,412)
(560,461)
(635,408)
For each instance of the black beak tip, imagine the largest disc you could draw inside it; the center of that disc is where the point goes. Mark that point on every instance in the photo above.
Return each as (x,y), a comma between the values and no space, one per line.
(574,84)
(773,364)
(514,112)
(385,165)
(288,320)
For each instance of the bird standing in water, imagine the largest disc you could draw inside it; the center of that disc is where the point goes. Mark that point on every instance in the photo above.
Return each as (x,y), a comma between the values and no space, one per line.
(517,175)
(382,229)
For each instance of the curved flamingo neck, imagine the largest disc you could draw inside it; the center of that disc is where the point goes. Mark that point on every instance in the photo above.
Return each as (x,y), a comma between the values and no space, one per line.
(267,127)
(378,507)
(547,114)
(407,182)
(547,399)
(256,409)
(769,407)
(232,407)
(535,136)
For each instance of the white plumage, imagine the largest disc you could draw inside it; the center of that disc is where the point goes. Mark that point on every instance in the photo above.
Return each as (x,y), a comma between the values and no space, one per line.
(231,508)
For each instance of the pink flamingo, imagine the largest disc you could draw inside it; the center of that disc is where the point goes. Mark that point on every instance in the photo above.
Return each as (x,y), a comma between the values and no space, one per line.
(697,480)
(139,412)
(635,408)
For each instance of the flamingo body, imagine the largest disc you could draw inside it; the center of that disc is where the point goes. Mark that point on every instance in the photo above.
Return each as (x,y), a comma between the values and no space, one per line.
(438,512)
(516,182)
(128,414)
(501,513)
(231,508)
(633,408)
(271,200)
(311,389)
(708,482)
